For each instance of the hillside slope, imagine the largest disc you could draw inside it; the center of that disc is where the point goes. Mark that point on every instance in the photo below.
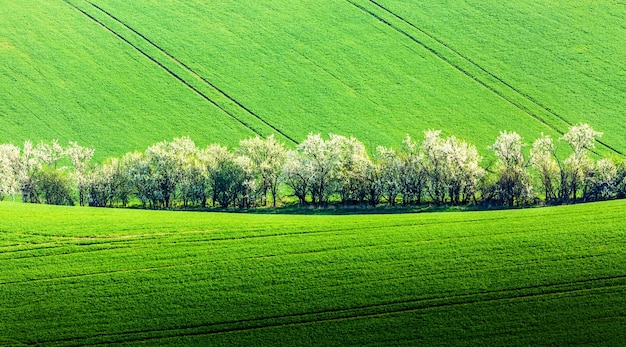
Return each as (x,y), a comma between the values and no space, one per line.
(121,75)
(62,77)
(82,276)
(567,56)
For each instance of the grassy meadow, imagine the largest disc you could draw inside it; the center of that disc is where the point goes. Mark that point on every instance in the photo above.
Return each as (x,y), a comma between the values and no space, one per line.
(85,276)
(143,71)
(121,75)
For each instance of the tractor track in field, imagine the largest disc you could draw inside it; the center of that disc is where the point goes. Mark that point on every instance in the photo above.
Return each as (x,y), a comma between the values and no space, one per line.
(96,274)
(59,247)
(452,64)
(168,70)
(192,71)
(163,67)
(471,61)
(352,313)
(467,73)
(125,241)
(272,255)
(97,240)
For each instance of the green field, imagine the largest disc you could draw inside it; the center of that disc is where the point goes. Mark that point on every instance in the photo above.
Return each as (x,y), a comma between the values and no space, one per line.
(566,55)
(84,276)
(64,78)
(121,75)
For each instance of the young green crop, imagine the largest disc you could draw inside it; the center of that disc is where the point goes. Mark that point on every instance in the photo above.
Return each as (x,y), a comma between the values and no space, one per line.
(121,75)
(324,67)
(76,276)
(65,77)
(566,56)
(224,70)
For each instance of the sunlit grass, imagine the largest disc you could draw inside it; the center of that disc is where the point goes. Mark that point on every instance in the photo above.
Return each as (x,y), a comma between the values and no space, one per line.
(517,277)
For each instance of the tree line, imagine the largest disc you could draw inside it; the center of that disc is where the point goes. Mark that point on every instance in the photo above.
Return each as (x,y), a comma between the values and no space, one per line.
(262,171)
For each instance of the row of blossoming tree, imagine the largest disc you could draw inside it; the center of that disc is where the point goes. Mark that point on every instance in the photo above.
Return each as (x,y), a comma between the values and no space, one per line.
(318,171)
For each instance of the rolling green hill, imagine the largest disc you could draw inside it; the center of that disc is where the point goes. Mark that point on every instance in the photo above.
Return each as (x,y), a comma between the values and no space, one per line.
(120,75)
(79,276)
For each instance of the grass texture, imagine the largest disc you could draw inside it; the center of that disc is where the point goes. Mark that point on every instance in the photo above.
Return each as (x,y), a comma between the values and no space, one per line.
(84,276)
(120,75)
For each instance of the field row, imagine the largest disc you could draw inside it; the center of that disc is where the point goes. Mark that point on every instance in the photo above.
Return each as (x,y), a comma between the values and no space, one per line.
(389,20)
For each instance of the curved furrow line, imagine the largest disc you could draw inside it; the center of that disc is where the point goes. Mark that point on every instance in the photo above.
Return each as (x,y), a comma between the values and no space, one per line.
(262,256)
(449,272)
(129,241)
(32,248)
(214,261)
(192,71)
(102,249)
(95,274)
(165,68)
(357,312)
